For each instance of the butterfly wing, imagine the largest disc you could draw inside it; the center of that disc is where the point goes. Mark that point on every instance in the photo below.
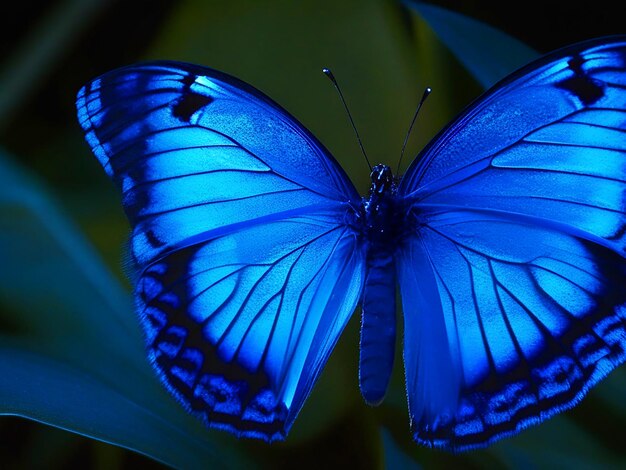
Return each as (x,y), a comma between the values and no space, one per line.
(247,266)
(513,278)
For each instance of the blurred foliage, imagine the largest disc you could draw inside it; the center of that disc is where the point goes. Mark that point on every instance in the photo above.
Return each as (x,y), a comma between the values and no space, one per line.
(487,53)
(70,350)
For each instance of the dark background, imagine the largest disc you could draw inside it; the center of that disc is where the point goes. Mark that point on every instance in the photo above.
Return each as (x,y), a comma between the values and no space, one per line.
(38,128)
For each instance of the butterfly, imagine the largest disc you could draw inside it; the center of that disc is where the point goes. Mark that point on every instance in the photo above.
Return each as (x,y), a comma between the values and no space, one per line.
(252,248)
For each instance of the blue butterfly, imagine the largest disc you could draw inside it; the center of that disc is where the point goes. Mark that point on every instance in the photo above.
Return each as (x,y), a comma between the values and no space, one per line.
(252,249)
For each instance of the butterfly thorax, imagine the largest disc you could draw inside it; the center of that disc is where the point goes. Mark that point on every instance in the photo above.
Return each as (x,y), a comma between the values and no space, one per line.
(379,209)
(378,325)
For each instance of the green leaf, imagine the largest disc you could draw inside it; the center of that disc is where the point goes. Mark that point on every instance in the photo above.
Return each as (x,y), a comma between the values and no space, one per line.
(57,288)
(40,388)
(488,53)
(395,457)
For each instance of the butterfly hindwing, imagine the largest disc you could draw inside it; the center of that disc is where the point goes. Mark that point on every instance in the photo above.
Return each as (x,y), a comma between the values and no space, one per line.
(240,326)
(518,215)
(247,265)
(528,318)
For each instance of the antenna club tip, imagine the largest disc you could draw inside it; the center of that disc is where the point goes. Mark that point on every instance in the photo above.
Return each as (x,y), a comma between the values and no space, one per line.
(428,90)
(326,71)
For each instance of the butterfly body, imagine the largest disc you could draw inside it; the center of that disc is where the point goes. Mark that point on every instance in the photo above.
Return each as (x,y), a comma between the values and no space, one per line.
(381,211)
(506,237)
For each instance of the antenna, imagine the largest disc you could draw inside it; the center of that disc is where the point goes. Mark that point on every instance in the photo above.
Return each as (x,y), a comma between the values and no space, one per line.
(331,77)
(406,139)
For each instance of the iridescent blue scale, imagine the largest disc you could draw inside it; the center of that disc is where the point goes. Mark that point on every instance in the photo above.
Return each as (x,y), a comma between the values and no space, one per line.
(507,237)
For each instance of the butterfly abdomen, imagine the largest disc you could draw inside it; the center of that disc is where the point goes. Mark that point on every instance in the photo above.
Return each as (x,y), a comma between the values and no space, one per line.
(378,323)
(378,327)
